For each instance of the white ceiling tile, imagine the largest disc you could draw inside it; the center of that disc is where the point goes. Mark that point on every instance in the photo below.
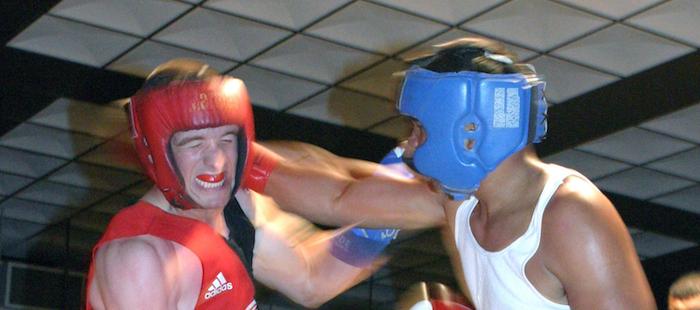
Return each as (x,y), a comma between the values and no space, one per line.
(343,107)
(652,245)
(641,183)
(378,80)
(133,16)
(10,183)
(612,9)
(17,229)
(537,24)
(100,120)
(72,41)
(290,14)
(687,199)
(686,164)
(566,80)
(116,153)
(49,141)
(147,56)
(315,59)
(448,11)
(622,50)
(684,123)
(114,204)
(636,146)
(397,128)
(221,34)
(91,176)
(62,195)
(274,90)
(376,28)
(24,163)
(453,34)
(32,211)
(677,19)
(591,166)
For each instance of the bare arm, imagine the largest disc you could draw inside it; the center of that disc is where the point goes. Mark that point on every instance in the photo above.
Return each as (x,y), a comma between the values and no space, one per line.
(588,248)
(130,274)
(336,191)
(292,257)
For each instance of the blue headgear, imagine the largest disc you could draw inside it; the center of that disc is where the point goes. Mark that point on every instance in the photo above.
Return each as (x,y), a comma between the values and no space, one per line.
(473,122)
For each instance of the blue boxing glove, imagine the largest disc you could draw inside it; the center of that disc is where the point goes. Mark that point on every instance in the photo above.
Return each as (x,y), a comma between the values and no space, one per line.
(360,246)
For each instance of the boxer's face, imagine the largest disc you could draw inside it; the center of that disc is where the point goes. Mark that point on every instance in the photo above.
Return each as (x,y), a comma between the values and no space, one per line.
(206,160)
(692,303)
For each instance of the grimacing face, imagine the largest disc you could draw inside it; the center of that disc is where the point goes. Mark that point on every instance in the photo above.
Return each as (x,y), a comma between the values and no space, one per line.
(206,162)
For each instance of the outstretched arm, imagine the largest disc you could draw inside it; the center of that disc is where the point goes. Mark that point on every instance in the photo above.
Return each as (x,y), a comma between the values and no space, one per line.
(294,258)
(336,191)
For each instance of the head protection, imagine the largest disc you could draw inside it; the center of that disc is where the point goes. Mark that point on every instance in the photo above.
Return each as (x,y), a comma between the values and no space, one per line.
(159,112)
(473,121)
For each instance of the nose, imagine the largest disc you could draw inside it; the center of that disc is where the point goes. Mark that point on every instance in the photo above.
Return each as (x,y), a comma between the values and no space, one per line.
(215,157)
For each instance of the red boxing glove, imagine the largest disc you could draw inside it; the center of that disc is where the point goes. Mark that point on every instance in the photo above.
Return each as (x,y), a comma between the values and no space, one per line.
(264,162)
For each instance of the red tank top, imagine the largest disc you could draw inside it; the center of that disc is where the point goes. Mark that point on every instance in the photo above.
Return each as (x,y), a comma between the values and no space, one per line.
(225,281)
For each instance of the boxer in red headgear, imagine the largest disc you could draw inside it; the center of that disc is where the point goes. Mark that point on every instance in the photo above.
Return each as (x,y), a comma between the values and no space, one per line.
(175,248)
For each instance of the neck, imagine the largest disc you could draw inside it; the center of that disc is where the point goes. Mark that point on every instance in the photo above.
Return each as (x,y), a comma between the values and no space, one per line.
(212,217)
(515,184)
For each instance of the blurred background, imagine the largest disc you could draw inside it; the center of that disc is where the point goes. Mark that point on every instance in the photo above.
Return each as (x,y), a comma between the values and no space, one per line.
(622,83)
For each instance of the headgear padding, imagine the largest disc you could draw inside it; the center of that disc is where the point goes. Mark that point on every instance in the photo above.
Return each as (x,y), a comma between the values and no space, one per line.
(159,112)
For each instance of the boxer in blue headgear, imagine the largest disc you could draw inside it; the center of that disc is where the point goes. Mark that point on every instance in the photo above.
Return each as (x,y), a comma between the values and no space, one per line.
(473,120)
(528,234)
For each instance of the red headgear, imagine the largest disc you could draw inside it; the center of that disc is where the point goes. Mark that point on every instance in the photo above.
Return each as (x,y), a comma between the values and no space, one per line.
(158,113)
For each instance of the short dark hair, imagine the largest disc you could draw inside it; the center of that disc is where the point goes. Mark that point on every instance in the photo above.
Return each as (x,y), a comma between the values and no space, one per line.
(686,286)
(472,54)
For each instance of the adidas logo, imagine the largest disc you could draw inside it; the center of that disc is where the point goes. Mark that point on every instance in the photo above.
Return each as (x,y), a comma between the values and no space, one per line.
(219,286)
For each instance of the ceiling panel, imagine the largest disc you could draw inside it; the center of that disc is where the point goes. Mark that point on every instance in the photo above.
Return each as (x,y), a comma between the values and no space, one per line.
(378,80)
(62,195)
(391,30)
(32,211)
(652,245)
(315,59)
(625,146)
(290,14)
(15,230)
(617,9)
(685,164)
(683,124)
(537,24)
(447,11)
(114,203)
(98,120)
(25,163)
(72,41)
(50,141)
(566,80)
(622,50)
(687,199)
(343,107)
(92,176)
(10,183)
(590,165)
(285,91)
(221,34)
(398,128)
(136,17)
(677,19)
(642,183)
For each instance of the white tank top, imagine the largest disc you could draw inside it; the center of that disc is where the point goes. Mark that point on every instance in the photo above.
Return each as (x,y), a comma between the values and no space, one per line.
(497,280)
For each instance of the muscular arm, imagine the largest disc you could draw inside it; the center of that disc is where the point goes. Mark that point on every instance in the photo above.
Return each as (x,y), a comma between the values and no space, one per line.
(131,274)
(589,250)
(292,257)
(333,190)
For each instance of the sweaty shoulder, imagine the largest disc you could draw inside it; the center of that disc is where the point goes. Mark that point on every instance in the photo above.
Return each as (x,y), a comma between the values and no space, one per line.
(130,271)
